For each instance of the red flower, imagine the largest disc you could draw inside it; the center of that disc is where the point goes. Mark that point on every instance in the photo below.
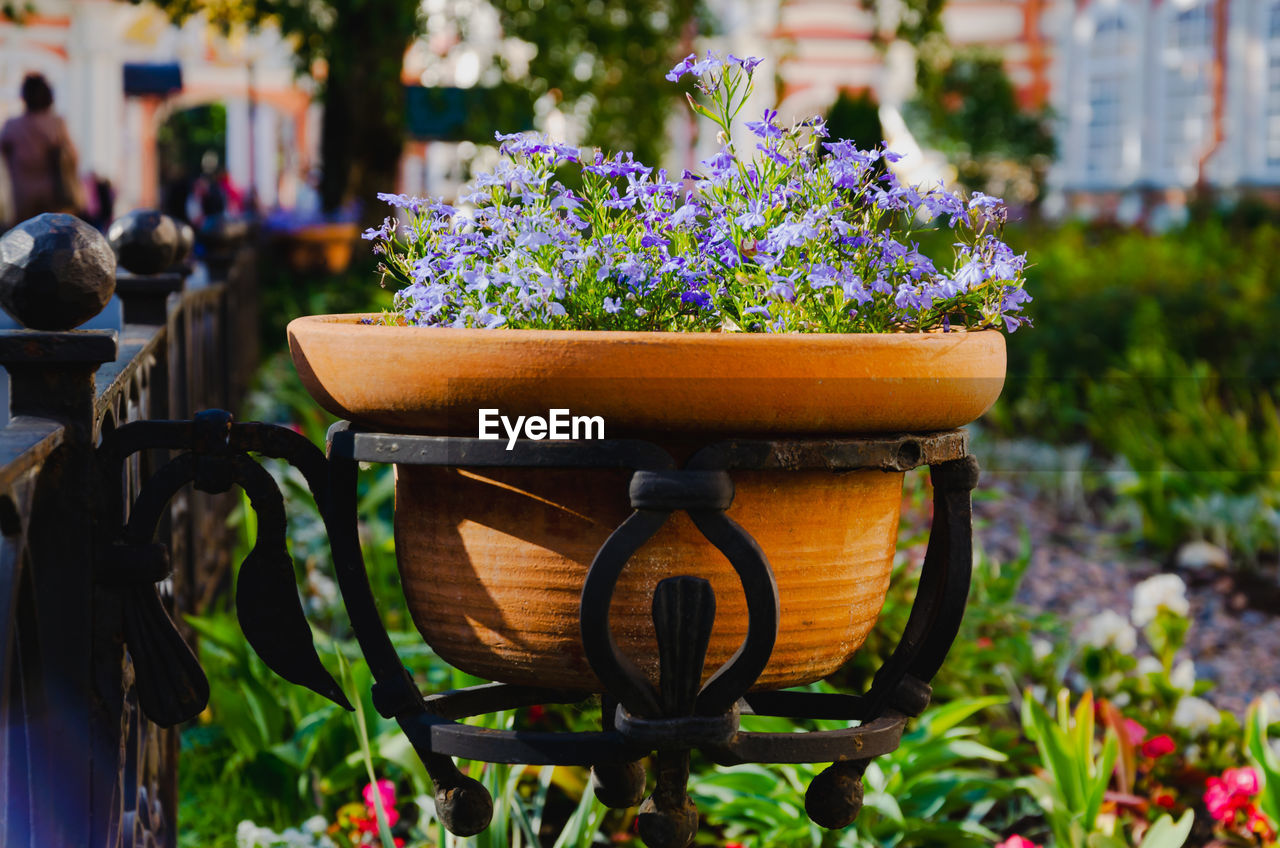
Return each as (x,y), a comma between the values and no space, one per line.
(984,642)
(1158,746)
(1164,799)
(1017,841)
(1228,795)
(1259,824)
(1134,732)
(536,713)
(734,845)
(386,793)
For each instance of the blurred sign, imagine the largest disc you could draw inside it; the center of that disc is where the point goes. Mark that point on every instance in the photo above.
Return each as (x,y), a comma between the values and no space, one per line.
(152,78)
(466,114)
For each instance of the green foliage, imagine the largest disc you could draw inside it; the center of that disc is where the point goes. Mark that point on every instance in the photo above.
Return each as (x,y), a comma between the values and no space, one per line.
(1074,783)
(1160,350)
(967,108)
(857,118)
(187,135)
(1072,793)
(938,788)
(1214,287)
(1205,461)
(609,56)
(1264,759)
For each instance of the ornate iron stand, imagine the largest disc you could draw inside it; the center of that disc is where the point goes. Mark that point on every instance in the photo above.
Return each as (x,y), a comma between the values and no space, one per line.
(670,720)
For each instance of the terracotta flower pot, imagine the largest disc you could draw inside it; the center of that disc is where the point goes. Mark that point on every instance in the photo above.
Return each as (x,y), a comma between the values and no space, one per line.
(320,248)
(493,562)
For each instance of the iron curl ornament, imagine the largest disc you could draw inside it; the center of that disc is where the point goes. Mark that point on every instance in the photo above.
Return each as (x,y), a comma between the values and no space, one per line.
(640,720)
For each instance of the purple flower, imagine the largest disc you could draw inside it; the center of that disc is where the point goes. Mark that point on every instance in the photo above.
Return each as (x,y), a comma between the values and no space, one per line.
(753,217)
(692,65)
(684,66)
(766,128)
(698,298)
(402,201)
(810,232)
(990,208)
(652,239)
(941,202)
(971,275)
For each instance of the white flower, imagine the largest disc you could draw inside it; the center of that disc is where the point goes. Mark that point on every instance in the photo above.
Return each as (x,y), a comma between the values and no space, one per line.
(1183,675)
(1149,665)
(1111,682)
(1121,699)
(1109,628)
(249,835)
(1163,590)
(1195,714)
(1041,649)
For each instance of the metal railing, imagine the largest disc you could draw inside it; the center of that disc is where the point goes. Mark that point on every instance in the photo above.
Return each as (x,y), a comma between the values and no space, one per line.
(79,763)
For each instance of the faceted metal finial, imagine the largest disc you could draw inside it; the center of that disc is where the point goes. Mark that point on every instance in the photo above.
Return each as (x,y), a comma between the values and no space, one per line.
(145,241)
(56,272)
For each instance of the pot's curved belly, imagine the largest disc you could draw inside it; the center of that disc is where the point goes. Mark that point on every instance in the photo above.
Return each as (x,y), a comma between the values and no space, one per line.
(493,564)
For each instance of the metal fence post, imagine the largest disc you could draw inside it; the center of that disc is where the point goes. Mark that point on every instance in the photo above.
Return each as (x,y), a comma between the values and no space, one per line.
(54,270)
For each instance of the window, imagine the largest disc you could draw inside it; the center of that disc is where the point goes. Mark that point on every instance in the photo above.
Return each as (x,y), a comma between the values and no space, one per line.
(1112,75)
(1186,58)
(1271,92)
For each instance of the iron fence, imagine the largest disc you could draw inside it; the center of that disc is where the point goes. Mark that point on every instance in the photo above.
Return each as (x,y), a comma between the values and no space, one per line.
(79,763)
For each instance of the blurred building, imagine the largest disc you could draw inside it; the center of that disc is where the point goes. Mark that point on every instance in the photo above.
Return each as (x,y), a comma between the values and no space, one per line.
(1149,97)
(120,71)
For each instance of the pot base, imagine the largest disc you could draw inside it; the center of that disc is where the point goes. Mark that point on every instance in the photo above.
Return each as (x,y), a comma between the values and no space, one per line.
(493,565)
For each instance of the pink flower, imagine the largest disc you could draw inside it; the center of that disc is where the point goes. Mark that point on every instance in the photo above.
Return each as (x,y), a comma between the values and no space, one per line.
(1134,732)
(1017,841)
(1158,746)
(1219,800)
(1227,795)
(1241,780)
(386,793)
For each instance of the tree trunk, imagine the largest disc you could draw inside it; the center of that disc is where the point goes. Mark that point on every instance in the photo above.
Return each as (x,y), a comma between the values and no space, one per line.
(362,133)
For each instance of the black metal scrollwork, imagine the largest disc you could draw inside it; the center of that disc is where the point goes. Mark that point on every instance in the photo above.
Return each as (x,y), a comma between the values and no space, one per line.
(171,686)
(678,715)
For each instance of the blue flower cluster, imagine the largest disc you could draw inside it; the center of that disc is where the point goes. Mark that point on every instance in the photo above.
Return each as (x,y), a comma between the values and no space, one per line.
(804,235)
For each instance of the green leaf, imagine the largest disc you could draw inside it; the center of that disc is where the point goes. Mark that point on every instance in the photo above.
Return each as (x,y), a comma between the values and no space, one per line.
(1097,791)
(1259,750)
(938,720)
(1165,834)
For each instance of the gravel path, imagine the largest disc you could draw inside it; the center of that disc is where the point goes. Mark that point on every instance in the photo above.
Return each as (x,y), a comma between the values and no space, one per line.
(1080,567)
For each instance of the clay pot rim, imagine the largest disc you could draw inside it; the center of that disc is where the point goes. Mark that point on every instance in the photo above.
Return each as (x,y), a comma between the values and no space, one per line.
(434,379)
(373,320)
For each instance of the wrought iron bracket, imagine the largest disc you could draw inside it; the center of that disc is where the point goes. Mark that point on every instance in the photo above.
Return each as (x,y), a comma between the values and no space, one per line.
(669,720)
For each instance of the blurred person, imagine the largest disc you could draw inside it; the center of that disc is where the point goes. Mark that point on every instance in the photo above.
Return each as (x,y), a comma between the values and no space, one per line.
(40,156)
(213,193)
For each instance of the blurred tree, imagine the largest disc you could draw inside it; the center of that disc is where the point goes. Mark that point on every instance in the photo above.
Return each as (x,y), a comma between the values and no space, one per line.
(355,49)
(608,57)
(966,107)
(857,118)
